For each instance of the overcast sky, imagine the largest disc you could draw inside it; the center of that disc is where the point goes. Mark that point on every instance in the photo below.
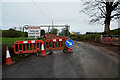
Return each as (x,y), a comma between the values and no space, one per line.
(16,14)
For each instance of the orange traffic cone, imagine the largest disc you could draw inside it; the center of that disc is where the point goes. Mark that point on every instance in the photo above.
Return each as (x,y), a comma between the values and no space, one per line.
(69,49)
(42,50)
(8,58)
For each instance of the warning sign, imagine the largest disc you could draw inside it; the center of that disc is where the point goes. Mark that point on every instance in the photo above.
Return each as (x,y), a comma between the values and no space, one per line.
(33,32)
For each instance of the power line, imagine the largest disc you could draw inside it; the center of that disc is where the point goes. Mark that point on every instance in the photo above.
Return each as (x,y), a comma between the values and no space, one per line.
(41,10)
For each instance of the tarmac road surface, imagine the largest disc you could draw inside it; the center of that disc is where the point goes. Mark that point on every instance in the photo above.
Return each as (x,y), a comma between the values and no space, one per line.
(86,61)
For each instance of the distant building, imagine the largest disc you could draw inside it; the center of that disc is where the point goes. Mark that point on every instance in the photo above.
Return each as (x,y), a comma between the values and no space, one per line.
(75,33)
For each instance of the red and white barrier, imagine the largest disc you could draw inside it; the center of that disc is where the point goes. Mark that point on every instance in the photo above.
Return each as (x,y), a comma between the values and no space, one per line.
(27,46)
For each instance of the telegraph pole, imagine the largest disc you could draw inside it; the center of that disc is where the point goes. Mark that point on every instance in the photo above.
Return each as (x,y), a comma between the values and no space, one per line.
(52,23)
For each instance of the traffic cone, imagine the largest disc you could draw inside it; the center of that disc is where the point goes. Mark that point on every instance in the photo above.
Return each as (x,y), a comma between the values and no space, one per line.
(69,49)
(42,50)
(8,58)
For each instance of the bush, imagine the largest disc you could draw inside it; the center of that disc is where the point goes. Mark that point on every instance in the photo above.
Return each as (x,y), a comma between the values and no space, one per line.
(86,37)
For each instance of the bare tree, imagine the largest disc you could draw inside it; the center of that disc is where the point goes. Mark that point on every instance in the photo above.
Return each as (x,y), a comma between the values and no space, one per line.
(102,11)
(65,31)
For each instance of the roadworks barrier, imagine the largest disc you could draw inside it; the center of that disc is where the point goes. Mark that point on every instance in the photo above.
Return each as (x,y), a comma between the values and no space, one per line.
(29,46)
(55,44)
(110,39)
(40,47)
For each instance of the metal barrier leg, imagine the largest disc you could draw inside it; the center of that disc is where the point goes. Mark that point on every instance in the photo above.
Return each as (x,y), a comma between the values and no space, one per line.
(50,52)
(65,50)
(37,54)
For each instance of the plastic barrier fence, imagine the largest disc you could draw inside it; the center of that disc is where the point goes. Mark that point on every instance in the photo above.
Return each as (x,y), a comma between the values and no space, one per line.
(107,40)
(55,44)
(54,36)
(29,46)
(113,39)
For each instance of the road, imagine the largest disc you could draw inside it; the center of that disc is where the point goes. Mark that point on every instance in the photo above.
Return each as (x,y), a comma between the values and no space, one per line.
(86,61)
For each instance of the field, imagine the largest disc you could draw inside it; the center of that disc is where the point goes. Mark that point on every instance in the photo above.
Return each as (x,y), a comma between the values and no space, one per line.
(10,41)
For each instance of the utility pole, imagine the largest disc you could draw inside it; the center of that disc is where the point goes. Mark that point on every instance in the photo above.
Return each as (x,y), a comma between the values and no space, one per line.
(48,31)
(52,23)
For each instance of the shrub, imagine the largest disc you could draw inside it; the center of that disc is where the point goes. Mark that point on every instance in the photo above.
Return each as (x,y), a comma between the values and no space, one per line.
(86,37)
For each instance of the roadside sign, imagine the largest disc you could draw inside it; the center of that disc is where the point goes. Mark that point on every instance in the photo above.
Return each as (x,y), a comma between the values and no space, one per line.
(69,43)
(33,32)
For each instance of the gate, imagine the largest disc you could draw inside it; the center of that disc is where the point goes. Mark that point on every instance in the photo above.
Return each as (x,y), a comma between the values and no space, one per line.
(28,46)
